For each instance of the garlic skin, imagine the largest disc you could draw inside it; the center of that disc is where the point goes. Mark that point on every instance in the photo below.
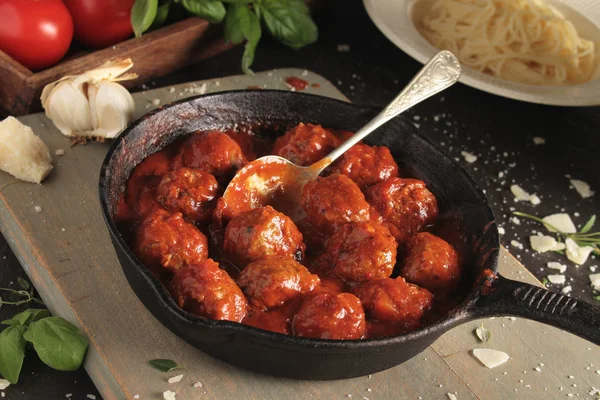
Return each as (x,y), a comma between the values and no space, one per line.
(92,104)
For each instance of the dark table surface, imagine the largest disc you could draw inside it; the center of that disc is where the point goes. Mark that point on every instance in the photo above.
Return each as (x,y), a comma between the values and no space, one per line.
(498,130)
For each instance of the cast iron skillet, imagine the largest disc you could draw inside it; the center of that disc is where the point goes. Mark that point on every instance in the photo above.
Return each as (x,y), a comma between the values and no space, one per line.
(466,220)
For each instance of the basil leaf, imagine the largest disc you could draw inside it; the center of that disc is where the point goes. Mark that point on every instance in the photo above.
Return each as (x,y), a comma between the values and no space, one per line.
(483,333)
(289,22)
(26,317)
(588,225)
(242,23)
(23,284)
(164,365)
(58,343)
(162,12)
(211,10)
(143,14)
(12,352)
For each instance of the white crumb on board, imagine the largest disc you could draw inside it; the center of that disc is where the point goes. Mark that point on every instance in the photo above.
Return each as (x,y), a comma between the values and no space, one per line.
(168,395)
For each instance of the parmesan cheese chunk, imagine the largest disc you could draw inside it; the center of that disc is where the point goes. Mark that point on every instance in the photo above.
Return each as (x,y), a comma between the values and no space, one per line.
(22,153)
(469,157)
(519,193)
(578,255)
(595,280)
(582,188)
(558,266)
(490,358)
(567,289)
(451,396)
(561,221)
(542,244)
(4,384)
(556,279)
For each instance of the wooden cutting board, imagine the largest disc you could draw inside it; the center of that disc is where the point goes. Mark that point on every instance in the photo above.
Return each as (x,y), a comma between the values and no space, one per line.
(67,253)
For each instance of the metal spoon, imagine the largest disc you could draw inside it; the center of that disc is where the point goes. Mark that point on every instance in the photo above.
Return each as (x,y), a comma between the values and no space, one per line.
(273,179)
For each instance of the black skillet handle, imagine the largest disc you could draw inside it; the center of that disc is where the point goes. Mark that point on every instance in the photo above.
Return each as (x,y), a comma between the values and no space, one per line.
(508,297)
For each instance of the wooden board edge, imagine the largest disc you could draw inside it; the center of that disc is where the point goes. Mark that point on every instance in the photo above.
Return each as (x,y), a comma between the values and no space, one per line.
(95,363)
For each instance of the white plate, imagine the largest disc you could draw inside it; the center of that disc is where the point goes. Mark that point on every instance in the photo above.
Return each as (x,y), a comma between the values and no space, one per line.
(394,20)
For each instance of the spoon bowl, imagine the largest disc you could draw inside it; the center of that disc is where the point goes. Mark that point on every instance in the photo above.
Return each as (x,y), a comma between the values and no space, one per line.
(273,180)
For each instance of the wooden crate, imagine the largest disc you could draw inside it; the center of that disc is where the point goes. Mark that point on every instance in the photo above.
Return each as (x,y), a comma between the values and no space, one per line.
(154,54)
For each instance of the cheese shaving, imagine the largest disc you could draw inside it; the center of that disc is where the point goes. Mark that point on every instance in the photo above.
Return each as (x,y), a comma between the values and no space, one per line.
(542,244)
(576,254)
(595,281)
(582,188)
(556,279)
(490,358)
(557,266)
(560,221)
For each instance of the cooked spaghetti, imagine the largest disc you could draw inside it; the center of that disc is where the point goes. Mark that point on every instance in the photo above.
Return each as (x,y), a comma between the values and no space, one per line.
(526,41)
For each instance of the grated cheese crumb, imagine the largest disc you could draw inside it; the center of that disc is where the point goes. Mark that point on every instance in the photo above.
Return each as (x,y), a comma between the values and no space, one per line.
(171,90)
(59,152)
(516,244)
(155,102)
(567,289)
(451,396)
(557,266)
(137,396)
(538,369)
(582,188)
(501,230)
(198,385)
(176,378)
(37,209)
(515,221)
(595,281)
(469,157)
(168,395)
(201,89)
(4,384)
(556,279)
(343,48)
(91,396)
(538,140)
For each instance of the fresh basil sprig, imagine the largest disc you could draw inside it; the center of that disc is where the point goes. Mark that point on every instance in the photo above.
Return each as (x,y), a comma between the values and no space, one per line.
(58,343)
(288,21)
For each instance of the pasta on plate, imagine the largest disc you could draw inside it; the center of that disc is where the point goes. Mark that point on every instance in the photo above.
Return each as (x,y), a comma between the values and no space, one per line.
(524,41)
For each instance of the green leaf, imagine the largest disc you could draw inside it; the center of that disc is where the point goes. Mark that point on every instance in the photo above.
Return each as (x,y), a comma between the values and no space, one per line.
(164,365)
(23,284)
(162,12)
(12,352)
(58,343)
(545,282)
(238,1)
(26,317)
(289,22)
(597,297)
(242,23)
(143,14)
(211,10)
(588,225)
(483,333)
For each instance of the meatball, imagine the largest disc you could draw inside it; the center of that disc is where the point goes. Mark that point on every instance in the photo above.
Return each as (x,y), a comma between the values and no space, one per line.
(394,301)
(262,232)
(332,201)
(361,251)
(140,194)
(305,144)
(167,240)
(330,316)
(188,191)
(366,165)
(406,205)
(431,263)
(211,151)
(272,281)
(206,290)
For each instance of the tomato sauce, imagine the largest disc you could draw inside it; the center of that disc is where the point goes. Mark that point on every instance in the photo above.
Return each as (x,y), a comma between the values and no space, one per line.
(297,83)
(358,264)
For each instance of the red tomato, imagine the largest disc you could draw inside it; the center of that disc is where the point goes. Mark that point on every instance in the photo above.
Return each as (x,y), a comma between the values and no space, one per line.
(36,33)
(101,23)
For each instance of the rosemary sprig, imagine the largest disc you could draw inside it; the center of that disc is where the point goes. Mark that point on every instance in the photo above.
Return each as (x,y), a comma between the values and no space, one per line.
(582,238)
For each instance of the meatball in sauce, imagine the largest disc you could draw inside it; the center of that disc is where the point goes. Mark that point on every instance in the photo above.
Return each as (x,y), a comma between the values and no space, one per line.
(359,262)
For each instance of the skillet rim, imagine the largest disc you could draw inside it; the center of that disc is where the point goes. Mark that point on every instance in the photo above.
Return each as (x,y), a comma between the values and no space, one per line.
(460,313)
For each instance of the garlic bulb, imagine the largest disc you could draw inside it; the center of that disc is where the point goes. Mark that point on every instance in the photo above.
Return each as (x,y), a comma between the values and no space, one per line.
(92,104)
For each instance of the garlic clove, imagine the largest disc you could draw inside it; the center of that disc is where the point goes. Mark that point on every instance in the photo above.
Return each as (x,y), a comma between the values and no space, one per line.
(114,107)
(67,106)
